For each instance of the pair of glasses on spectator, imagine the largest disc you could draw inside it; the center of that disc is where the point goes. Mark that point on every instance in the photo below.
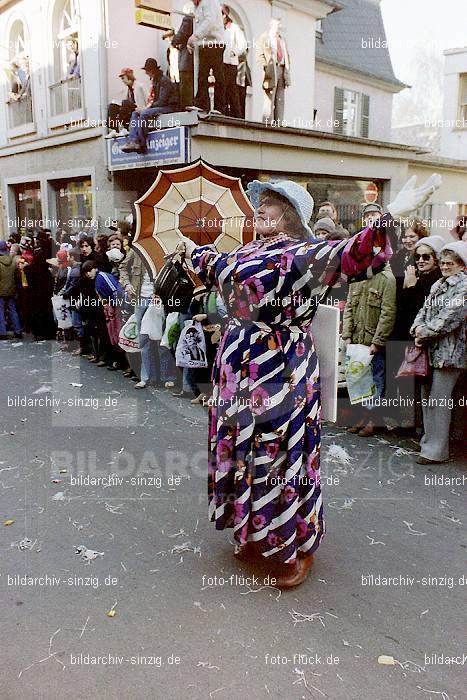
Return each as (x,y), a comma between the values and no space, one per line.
(444,263)
(423,256)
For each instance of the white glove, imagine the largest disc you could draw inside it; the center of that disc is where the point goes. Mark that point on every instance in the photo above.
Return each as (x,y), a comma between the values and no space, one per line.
(186,245)
(411,197)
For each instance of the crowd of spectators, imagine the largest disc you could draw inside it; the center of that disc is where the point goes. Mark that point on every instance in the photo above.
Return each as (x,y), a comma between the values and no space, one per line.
(416,298)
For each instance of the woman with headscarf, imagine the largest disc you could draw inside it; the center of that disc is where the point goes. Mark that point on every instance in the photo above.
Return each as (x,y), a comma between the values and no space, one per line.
(264,422)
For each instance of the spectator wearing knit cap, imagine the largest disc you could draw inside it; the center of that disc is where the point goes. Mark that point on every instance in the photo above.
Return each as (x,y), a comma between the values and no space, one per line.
(324,228)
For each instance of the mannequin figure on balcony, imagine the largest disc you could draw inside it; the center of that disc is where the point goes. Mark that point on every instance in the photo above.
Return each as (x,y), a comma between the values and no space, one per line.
(273,55)
(73,58)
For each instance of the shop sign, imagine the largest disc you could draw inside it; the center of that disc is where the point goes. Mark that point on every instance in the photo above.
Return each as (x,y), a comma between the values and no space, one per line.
(165,147)
(151,18)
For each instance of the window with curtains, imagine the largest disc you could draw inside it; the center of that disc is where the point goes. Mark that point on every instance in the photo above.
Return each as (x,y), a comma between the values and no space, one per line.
(351,113)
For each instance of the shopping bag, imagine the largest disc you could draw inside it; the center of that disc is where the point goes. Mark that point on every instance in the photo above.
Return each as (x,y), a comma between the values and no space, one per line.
(191,346)
(62,312)
(152,324)
(359,373)
(172,330)
(128,338)
(415,363)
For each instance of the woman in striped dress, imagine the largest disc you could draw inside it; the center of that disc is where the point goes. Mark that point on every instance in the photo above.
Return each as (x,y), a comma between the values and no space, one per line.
(264,421)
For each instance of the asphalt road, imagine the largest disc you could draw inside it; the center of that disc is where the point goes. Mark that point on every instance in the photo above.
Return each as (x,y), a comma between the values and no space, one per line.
(190,622)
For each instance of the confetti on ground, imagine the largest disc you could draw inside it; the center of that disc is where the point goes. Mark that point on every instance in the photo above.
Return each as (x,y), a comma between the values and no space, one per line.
(411,530)
(185,547)
(24,544)
(78,386)
(206,664)
(301,680)
(444,695)
(197,604)
(112,612)
(337,454)
(373,541)
(51,655)
(300,617)
(113,509)
(347,505)
(44,389)
(385,660)
(424,612)
(274,588)
(86,554)
(59,496)
(8,522)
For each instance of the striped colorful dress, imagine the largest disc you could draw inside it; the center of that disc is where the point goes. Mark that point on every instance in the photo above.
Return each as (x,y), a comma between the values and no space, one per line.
(264,422)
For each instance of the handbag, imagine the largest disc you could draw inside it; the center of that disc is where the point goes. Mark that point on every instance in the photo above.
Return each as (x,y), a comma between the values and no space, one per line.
(174,285)
(415,363)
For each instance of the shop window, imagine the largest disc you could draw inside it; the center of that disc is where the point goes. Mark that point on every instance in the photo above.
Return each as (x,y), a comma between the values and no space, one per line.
(463,99)
(351,113)
(28,205)
(66,88)
(73,203)
(19,103)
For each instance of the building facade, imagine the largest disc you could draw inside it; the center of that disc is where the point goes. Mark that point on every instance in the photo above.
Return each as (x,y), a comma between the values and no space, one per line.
(61,61)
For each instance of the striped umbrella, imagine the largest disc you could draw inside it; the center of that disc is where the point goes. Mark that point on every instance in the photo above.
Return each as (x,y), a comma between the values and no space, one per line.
(197,201)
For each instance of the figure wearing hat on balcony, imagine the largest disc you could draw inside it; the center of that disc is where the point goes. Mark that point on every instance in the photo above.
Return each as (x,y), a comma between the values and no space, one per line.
(132,96)
(163,99)
(273,55)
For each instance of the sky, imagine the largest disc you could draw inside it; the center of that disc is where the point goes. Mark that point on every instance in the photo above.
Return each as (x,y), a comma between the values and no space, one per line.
(442,23)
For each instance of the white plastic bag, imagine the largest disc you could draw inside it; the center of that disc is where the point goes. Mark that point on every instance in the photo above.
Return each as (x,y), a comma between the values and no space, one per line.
(191,347)
(128,338)
(359,373)
(172,330)
(152,324)
(62,312)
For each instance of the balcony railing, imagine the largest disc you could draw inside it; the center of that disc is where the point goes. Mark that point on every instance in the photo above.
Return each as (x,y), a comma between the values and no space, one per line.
(19,111)
(66,96)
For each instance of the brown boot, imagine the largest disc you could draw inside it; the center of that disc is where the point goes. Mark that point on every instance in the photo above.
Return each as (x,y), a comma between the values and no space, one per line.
(294,574)
(368,430)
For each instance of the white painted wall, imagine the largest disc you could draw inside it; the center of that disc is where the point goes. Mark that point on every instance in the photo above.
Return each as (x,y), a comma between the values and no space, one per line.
(380,102)
(453,136)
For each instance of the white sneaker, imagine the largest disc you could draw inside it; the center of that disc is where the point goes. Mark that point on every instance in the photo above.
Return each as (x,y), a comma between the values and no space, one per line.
(215,111)
(193,108)
(111,135)
(140,385)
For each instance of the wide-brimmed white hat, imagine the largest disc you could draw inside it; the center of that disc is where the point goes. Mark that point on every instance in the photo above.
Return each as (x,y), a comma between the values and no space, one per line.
(300,199)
